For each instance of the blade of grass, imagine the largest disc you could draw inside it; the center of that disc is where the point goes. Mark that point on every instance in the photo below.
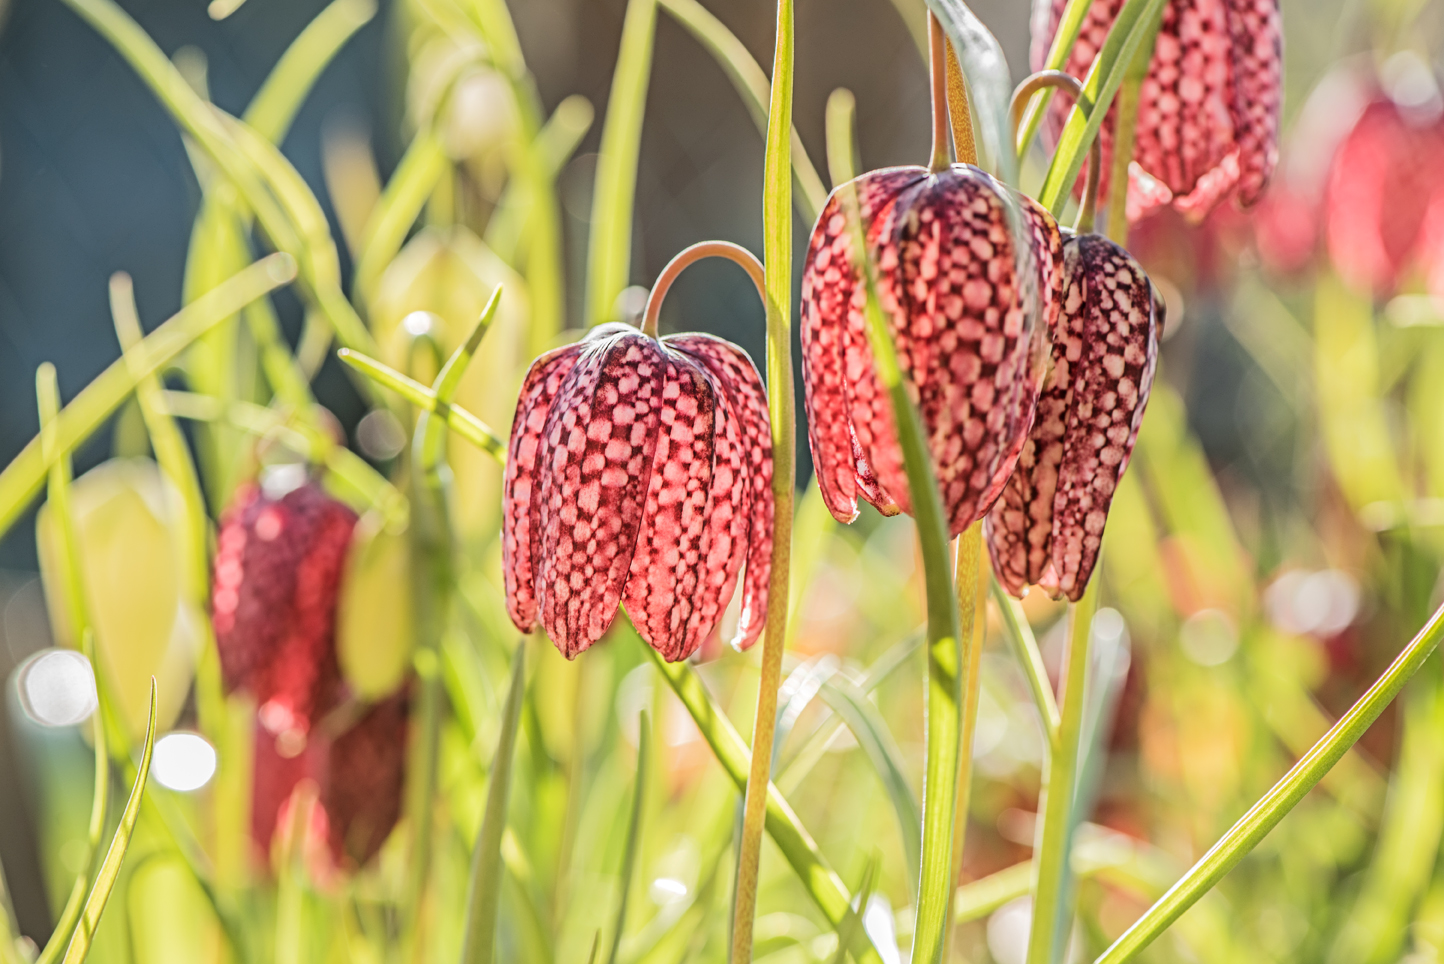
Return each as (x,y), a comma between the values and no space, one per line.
(777,251)
(432,432)
(752,83)
(873,735)
(609,248)
(47,393)
(22,478)
(1264,815)
(484,889)
(1136,20)
(458,419)
(841,143)
(822,883)
(1030,660)
(557,141)
(1069,26)
(864,894)
(109,871)
(274,106)
(1049,928)
(401,204)
(972,624)
(634,836)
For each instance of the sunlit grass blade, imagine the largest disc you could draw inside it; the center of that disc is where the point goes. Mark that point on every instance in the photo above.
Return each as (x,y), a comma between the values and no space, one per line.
(1049,928)
(273,108)
(1136,21)
(822,883)
(989,83)
(841,143)
(22,478)
(47,393)
(484,889)
(864,894)
(1069,25)
(1264,815)
(873,735)
(1030,659)
(432,433)
(465,424)
(752,83)
(401,203)
(556,142)
(609,248)
(634,836)
(109,871)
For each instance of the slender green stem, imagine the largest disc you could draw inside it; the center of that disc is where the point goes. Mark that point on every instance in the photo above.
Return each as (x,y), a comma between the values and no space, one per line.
(1025,647)
(634,828)
(1264,815)
(777,250)
(938,77)
(841,148)
(651,315)
(1055,830)
(972,621)
(1069,26)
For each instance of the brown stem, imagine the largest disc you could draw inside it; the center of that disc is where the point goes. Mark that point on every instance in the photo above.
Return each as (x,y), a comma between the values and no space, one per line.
(688,256)
(938,72)
(1057,78)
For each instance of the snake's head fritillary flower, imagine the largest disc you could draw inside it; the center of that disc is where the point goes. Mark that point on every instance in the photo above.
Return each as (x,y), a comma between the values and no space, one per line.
(279,561)
(639,472)
(966,322)
(1208,115)
(1047,526)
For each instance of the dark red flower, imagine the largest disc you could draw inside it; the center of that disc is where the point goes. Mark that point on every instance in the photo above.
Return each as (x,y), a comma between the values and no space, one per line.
(639,472)
(1385,175)
(357,775)
(966,324)
(1208,116)
(278,569)
(1048,524)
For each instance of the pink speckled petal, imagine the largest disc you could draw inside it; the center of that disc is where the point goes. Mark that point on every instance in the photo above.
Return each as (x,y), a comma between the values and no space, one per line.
(598,442)
(1258,39)
(664,584)
(750,530)
(1110,393)
(519,481)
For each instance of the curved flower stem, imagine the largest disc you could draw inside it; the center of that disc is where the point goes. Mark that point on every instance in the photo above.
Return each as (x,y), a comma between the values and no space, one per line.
(691,255)
(777,255)
(1055,831)
(1263,816)
(1025,648)
(938,74)
(1045,79)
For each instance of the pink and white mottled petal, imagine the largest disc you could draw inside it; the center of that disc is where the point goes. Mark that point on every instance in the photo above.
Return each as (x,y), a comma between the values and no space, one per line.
(747,402)
(519,481)
(600,437)
(668,564)
(1109,392)
(1257,33)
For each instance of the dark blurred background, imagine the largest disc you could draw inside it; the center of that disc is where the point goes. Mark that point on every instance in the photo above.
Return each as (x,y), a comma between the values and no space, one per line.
(94,179)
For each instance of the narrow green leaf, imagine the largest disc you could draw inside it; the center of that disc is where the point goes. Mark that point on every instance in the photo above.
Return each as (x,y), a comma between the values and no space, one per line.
(752,83)
(401,203)
(990,85)
(864,894)
(873,735)
(1030,660)
(634,835)
(109,871)
(1069,26)
(1136,21)
(274,106)
(431,433)
(484,889)
(22,478)
(465,424)
(841,119)
(821,882)
(1264,815)
(609,249)
(509,228)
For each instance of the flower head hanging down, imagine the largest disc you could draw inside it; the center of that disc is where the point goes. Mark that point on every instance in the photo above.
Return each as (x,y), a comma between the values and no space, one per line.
(639,472)
(1047,526)
(1208,113)
(966,322)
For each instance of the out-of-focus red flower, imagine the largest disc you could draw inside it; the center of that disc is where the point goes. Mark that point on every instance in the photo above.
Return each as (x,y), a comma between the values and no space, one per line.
(1381,213)
(1047,526)
(966,326)
(1208,116)
(639,472)
(1286,226)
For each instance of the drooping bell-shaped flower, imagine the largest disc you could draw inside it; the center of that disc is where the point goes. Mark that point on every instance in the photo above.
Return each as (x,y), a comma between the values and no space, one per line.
(279,561)
(1047,525)
(966,310)
(638,473)
(1208,113)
